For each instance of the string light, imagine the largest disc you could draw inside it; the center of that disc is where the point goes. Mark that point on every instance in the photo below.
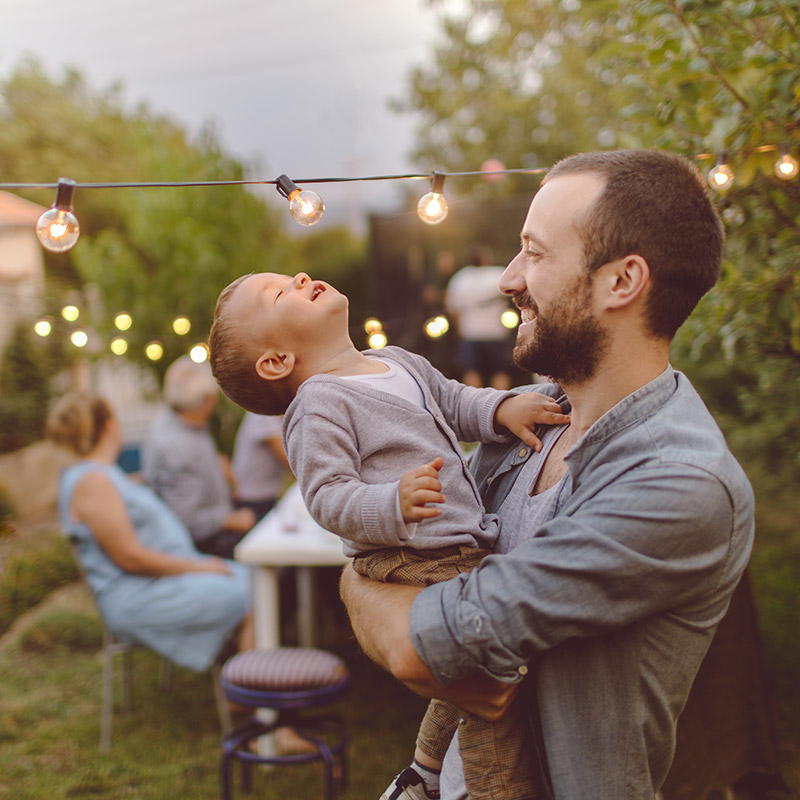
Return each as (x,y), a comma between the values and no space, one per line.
(721,177)
(79,338)
(43,327)
(154,350)
(70,313)
(58,227)
(786,167)
(199,353)
(437,326)
(432,207)
(377,340)
(119,346)
(123,321)
(181,325)
(509,319)
(305,206)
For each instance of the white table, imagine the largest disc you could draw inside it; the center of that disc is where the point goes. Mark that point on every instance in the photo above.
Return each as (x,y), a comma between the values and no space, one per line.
(286,537)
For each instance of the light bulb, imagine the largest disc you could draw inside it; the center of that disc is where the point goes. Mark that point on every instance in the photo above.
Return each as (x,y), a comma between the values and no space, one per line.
(70,313)
(786,167)
(199,353)
(437,326)
(154,350)
(509,318)
(372,325)
(123,321)
(43,327)
(58,227)
(432,207)
(720,177)
(377,340)
(118,346)
(181,326)
(79,338)
(305,206)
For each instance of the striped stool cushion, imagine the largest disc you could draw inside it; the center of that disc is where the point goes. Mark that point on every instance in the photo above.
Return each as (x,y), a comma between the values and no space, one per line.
(284,669)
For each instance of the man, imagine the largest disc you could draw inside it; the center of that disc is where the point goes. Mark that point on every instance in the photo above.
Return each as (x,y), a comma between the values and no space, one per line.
(612,602)
(181,462)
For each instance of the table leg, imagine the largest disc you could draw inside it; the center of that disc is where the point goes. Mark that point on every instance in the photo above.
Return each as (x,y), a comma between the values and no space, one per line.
(305,606)
(266,621)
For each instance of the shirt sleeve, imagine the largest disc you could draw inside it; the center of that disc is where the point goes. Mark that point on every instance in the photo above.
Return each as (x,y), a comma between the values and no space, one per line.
(325,460)
(653,540)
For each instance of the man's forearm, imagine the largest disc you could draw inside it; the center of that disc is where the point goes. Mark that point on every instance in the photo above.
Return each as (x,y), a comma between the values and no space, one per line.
(379,616)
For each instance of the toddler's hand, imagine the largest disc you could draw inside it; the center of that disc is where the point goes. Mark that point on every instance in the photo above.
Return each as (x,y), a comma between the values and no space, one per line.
(523,412)
(417,488)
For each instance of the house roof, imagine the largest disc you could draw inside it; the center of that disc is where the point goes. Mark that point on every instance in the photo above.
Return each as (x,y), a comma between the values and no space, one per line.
(16,211)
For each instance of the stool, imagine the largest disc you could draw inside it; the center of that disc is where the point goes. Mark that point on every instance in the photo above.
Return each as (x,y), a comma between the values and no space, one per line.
(288,680)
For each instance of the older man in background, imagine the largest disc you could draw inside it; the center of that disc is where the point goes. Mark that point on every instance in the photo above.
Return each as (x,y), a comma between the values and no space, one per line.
(181,462)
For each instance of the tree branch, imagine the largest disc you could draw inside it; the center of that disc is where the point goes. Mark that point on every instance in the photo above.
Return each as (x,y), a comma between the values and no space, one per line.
(787,18)
(707,56)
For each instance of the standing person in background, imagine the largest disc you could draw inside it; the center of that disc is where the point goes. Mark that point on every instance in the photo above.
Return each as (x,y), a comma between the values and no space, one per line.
(476,305)
(181,462)
(260,466)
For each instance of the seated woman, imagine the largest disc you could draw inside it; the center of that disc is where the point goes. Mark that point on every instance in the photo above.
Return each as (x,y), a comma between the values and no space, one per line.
(151,584)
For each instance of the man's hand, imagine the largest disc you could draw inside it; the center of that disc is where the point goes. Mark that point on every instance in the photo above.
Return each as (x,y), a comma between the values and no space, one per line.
(240,520)
(481,695)
(523,412)
(418,487)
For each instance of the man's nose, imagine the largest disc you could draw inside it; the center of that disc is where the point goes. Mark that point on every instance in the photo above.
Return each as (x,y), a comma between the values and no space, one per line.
(511,280)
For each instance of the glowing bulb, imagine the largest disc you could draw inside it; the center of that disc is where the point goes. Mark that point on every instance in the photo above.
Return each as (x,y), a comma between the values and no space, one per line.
(305,206)
(154,350)
(43,327)
(432,207)
(437,326)
(509,318)
(199,353)
(377,340)
(181,326)
(79,338)
(58,227)
(123,321)
(372,325)
(721,177)
(118,346)
(786,167)
(70,313)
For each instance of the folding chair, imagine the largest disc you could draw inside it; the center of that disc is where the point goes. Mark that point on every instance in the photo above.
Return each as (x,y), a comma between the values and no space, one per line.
(113,646)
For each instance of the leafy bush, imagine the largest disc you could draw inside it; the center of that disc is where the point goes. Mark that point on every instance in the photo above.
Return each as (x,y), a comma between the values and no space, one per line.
(36,565)
(62,628)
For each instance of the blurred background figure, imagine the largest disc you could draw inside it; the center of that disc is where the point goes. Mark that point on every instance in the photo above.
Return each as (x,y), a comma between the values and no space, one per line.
(181,462)
(259,463)
(475,306)
(151,585)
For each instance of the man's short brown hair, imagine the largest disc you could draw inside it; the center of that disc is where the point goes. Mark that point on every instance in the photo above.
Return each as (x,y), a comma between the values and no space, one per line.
(655,205)
(233,363)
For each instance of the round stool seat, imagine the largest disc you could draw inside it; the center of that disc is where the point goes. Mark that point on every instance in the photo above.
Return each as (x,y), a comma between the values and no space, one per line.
(285,677)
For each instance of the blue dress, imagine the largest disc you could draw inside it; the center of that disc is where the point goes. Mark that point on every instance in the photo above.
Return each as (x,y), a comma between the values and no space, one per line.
(186,617)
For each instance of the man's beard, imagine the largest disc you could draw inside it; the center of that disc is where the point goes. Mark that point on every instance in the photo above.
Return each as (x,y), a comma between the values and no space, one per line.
(568,342)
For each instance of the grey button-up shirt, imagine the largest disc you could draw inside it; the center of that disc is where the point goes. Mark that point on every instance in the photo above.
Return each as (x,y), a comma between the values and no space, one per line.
(613,601)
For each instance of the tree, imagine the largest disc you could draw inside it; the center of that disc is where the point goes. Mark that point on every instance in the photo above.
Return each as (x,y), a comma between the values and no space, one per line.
(531,81)
(152,252)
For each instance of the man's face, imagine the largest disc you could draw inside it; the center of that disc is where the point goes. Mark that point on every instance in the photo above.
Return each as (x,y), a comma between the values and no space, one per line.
(559,334)
(287,313)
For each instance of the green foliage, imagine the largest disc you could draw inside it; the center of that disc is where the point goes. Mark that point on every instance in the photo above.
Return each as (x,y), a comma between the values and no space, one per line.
(24,389)
(62,629)
(154,252)
(36,565)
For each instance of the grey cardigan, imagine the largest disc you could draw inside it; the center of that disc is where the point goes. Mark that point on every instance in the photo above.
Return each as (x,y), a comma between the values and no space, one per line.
(348,445)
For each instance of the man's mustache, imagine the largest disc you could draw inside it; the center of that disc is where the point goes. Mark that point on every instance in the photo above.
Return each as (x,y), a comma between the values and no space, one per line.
(524,300)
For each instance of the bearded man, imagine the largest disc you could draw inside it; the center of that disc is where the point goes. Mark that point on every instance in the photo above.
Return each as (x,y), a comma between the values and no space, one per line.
(634,523)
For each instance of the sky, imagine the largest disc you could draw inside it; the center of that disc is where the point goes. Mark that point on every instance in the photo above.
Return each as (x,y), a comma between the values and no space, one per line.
(300,87)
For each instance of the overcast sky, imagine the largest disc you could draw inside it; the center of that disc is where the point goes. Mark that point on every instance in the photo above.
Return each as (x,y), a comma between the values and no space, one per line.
(301,86)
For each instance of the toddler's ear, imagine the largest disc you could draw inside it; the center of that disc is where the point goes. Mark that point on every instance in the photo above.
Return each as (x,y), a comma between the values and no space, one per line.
(274,366)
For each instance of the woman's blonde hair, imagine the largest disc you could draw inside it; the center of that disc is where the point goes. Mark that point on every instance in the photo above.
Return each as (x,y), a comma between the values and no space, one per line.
(77,421)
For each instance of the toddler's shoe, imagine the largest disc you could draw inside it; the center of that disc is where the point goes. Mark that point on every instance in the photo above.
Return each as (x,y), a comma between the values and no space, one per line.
(408,785)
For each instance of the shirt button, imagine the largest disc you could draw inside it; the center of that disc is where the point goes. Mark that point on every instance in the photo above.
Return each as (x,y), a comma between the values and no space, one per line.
(523,670)
(522,453)
(488,481)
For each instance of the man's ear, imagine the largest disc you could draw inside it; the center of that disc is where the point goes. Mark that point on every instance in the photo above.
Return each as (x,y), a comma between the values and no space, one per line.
(625,280)
(274,366)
